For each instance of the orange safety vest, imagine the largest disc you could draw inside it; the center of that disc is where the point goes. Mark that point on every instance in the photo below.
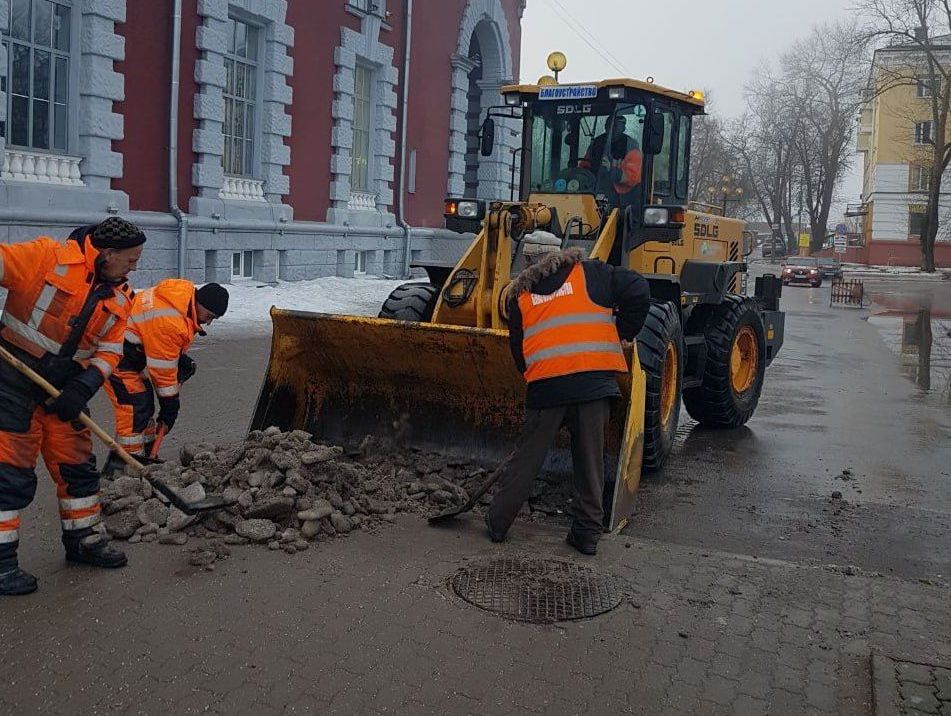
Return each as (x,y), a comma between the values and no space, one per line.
(164,322)
(48,284)
(566,332)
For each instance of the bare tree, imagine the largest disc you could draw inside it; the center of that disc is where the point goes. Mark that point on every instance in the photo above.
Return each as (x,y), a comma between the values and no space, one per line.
(761,142)
(821,91)
(914,47)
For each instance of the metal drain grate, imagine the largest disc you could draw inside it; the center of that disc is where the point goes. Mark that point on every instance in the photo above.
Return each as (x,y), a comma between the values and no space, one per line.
(538,590)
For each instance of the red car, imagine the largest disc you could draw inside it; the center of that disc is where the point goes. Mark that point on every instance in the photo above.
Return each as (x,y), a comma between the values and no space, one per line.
(802,269)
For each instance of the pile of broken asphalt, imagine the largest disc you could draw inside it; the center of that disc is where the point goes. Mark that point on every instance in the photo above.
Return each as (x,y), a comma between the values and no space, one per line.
(288,493)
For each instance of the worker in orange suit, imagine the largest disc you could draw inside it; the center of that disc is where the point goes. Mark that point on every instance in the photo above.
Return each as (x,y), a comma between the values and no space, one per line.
(65,317)
(165,320)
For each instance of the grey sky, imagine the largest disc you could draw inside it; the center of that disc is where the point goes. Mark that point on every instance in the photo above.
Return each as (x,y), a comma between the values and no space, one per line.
(683,44)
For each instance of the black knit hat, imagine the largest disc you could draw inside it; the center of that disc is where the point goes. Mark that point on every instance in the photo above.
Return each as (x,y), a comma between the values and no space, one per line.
(116,233)
(213,297)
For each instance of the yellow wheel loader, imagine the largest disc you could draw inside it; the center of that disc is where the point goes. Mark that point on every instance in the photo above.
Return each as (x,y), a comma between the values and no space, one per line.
(604,167)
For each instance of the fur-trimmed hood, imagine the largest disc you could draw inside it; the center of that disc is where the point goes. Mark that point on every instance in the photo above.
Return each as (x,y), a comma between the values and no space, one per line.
(545,267)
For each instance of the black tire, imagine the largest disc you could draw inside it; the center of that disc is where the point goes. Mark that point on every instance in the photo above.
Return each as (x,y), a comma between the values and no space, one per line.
(411,302)
(715,403)
(661,329)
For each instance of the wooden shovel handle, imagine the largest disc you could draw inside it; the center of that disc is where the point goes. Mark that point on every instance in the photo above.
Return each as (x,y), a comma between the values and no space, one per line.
(83,418)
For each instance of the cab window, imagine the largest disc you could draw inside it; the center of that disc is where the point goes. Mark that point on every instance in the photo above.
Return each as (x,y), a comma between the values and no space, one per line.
(663,164)
(683,157)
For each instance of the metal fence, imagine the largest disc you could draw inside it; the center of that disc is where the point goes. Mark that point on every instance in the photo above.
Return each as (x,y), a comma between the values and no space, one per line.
(847,292)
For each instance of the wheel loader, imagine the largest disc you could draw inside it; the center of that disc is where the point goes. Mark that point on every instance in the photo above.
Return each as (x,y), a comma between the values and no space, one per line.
(605,167)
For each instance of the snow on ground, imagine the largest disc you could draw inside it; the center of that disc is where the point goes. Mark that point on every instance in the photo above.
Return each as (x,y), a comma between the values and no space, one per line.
(250,304)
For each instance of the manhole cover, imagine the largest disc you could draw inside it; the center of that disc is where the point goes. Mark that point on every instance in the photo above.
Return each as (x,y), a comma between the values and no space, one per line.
(538,590)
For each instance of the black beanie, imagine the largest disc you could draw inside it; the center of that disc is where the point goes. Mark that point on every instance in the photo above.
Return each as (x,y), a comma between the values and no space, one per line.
(213,297)
(116,233)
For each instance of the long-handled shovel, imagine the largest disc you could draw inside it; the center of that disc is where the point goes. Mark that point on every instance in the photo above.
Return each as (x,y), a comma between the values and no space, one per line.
(214,502)
(470,503)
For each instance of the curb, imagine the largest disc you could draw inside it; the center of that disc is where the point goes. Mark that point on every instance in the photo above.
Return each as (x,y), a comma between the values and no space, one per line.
(885,696)
(937,277)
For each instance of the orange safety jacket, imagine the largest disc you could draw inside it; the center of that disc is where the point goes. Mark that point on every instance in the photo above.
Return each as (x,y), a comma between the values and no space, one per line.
(566,332)
(164,323)
(49,284)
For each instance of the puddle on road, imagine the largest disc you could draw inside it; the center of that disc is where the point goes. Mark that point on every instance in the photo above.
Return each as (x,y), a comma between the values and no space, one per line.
(917,328)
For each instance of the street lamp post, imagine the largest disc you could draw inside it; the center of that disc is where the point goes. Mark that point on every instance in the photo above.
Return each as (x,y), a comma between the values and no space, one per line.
(729,190)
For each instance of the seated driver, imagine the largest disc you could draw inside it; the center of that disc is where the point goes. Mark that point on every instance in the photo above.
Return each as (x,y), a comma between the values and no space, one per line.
(620,168)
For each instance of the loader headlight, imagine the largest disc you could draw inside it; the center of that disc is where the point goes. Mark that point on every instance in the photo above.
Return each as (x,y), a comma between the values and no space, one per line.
(615,93)
(512,100)
(464,208)
(656,216)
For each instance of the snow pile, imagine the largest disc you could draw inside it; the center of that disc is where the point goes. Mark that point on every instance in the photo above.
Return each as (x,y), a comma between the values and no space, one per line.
(250,304)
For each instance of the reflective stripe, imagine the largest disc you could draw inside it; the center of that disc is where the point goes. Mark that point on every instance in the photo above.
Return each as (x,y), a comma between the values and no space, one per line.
(132,338)
(572,320)
(130,440)
(82,522)
(61,269)
(110,348)
(168,391)
(107,326)
(104,367)
(9,515)
(78,503)
(30,334)
(42,305)
(85,354)
(8,536)
(160,363)
(121,299)
(157,313)
(572,349)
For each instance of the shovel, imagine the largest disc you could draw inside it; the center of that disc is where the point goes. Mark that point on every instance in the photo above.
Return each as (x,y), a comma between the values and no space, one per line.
(470,503)
(215,502)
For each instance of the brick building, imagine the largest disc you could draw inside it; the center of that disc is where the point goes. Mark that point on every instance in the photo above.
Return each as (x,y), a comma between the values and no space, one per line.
(894,139)
(283,154)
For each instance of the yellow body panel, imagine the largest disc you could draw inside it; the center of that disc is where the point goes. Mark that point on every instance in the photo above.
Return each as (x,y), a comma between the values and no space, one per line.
(619,82)
(571,206)
(705,237)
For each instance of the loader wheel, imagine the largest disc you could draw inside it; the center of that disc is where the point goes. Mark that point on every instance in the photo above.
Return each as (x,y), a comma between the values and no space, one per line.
(411,302)
(735,366)
(661,353)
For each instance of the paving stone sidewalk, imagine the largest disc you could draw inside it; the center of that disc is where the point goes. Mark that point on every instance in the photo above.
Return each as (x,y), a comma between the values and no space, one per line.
(369,625)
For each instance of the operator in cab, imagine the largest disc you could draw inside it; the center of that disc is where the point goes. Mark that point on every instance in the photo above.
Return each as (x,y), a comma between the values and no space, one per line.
(617,164)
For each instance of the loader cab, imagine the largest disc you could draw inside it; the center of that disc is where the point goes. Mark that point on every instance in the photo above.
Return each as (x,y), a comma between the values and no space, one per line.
(589,149)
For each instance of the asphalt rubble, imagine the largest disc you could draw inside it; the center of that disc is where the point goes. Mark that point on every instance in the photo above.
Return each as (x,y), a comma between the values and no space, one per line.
(290,493)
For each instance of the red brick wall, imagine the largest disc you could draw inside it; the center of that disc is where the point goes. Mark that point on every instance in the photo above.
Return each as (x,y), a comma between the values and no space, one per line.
(148,48)
(895,253)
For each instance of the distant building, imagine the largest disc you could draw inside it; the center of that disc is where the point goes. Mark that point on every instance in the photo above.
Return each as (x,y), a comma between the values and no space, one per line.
(288,137)
(895,128)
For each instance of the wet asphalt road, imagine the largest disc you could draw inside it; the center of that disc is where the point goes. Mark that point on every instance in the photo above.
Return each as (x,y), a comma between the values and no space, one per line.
(837,398)
(841,395)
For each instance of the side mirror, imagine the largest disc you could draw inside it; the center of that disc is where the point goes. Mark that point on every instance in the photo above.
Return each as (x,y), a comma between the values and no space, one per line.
(487,138)
(656,129)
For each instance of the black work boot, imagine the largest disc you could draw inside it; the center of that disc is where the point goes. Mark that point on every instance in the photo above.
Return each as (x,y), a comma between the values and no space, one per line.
(494,534)
(113,467)
(14,581)
(585,545)
(89,547)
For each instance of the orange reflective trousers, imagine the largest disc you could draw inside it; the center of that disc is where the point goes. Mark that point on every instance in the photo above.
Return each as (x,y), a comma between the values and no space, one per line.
(134,404)
(27,431)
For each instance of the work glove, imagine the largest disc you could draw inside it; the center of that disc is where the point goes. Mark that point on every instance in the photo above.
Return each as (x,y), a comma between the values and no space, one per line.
(168,412)
(186,367)
(75,394)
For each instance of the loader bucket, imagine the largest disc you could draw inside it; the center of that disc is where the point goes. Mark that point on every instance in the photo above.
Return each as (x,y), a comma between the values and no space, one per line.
(447,389)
